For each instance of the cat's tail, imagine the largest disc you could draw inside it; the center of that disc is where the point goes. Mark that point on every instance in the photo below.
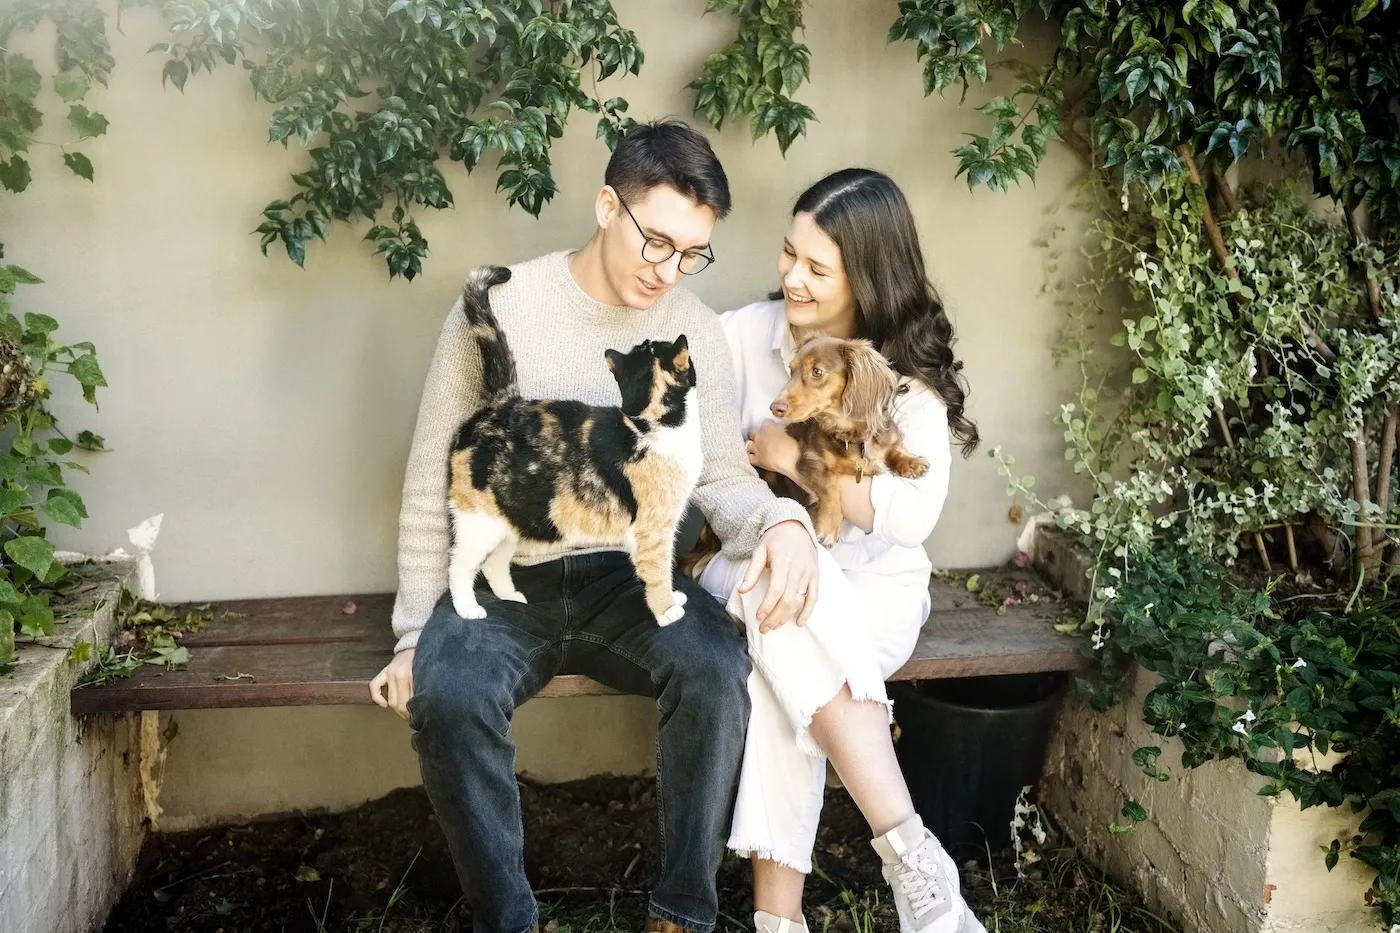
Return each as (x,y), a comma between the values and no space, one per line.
(497,362)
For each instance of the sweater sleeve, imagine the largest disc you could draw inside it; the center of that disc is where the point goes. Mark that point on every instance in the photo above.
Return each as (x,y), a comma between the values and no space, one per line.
(451,393)
(737,504)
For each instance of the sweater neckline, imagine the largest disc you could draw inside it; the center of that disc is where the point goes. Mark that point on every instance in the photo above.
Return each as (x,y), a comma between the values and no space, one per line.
(622,317)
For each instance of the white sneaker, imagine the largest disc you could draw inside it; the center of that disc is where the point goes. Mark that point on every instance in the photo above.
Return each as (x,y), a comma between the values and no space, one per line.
(764,922)
(925,881)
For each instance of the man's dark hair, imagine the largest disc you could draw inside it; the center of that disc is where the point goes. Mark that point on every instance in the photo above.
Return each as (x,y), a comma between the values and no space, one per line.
(667,152)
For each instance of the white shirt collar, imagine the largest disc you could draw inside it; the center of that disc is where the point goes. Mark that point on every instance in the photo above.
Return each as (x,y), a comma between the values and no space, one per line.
(781,341)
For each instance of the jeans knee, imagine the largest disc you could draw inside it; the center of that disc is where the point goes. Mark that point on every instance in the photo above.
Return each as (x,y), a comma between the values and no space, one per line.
(458,702)
(719,680)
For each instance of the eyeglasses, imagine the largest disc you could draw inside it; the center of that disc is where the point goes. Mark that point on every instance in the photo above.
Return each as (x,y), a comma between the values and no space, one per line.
(657,251)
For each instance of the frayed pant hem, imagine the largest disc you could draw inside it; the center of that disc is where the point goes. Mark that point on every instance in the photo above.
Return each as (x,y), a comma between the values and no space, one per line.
(802,865)
(808,745)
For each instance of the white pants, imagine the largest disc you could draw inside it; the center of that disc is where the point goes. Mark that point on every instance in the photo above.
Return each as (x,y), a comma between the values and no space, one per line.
(861,631)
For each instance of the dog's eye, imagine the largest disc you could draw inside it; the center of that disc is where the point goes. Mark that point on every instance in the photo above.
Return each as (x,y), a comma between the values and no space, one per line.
(817,372)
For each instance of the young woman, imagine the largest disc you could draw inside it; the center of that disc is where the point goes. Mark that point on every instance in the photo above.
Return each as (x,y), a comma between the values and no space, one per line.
(850,266)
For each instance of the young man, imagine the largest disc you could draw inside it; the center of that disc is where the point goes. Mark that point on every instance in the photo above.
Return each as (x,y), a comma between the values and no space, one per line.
(458,682)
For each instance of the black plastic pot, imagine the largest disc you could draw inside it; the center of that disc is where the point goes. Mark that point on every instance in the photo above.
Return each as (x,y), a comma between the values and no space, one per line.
(968,746)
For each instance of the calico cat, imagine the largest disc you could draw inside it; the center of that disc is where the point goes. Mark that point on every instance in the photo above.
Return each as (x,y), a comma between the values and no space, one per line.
(566,472)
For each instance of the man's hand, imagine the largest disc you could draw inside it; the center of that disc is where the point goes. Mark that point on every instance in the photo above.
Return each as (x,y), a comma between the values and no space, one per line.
(790,555)
(397,677)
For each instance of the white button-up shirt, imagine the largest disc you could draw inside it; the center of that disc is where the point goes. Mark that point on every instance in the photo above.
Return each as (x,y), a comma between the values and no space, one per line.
(905,509)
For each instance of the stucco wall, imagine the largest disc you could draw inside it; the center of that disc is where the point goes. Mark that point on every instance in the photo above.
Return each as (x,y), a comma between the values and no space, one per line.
(266,410)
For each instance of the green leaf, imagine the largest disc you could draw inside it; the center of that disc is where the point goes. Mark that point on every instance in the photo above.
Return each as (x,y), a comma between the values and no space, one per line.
(88,374)
(39,325)
(31,552)
(89,441)
(79,164)
(71,85)
(12,500)
(86,122)
(23,276)
(14,174)
(61,509)
(81,652)
(307,873)
(1134,811)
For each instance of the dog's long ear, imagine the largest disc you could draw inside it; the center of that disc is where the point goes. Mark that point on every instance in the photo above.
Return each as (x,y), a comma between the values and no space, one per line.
(870,386)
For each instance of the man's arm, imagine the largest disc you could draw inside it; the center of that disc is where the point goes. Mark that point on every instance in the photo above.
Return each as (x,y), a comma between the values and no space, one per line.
(737,504)
(451,392)
(750,521)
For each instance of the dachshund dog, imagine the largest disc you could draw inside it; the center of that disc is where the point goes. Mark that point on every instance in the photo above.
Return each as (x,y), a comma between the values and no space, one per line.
(839,405)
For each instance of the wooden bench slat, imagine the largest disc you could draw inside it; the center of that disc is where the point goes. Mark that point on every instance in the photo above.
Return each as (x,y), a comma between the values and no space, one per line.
(307,651)
(300,620)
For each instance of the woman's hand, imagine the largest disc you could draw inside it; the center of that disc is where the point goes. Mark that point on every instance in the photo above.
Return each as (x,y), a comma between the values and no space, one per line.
(771,447)
(397,680)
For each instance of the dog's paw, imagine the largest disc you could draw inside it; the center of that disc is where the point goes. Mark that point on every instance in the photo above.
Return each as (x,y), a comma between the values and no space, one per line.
(912,467)
(670,615)
(827,539)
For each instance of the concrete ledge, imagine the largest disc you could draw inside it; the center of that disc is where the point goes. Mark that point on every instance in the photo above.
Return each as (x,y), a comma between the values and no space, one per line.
(72,809)
(1213,855)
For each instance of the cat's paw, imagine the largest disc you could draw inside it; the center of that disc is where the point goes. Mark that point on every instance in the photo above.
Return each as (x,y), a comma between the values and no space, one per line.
(670,615)
(514,596)
(468,608)
(678,597)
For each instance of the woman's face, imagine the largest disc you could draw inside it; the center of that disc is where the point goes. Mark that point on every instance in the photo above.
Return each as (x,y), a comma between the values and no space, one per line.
(816,293)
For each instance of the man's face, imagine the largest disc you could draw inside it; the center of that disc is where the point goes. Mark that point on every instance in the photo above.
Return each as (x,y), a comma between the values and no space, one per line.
(664,216)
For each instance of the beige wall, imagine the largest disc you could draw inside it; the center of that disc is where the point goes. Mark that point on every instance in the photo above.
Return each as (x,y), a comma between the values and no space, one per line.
(266,410)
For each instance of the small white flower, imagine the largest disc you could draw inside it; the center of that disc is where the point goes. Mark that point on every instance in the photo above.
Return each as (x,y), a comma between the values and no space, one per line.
(1108,592)
(1299,664)
(1239,727)
(1249,716)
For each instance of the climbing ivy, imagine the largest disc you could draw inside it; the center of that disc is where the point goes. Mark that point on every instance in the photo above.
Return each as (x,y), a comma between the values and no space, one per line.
(33,454)
(380,91)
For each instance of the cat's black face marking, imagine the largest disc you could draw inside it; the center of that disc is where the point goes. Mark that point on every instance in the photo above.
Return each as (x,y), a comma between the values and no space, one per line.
(653,379)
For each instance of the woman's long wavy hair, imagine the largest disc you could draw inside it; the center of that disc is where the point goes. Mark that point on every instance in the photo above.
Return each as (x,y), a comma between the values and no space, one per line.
(897,307)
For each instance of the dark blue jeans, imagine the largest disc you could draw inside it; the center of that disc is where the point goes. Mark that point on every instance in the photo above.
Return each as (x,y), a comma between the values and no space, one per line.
(585,615)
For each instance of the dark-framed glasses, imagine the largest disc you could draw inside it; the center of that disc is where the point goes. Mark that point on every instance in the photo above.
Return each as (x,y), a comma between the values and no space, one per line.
(657,251)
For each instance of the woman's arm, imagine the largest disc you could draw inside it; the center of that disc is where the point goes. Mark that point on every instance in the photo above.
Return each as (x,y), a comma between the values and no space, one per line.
(900,511)
(906,510)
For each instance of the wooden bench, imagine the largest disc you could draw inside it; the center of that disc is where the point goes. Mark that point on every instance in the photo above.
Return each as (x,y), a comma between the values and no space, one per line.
(309,651)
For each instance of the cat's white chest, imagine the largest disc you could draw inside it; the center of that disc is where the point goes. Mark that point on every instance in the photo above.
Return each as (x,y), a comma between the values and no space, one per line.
(681,445)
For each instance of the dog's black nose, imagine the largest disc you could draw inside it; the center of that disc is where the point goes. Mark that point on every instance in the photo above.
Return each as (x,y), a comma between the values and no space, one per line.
(779,408)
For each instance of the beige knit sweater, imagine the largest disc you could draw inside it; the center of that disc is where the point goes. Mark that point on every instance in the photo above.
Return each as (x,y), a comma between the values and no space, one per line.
(558,335)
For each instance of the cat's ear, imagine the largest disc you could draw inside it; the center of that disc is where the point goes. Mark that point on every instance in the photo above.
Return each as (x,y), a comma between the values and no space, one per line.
(682,358)
(613,358)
